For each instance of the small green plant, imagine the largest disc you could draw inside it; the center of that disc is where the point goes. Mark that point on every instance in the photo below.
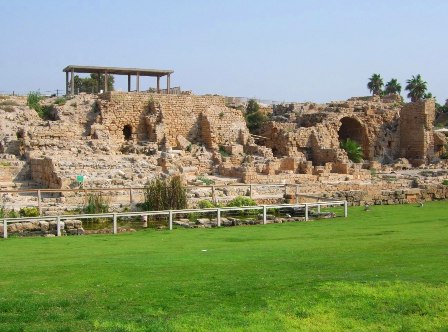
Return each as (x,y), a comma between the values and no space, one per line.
(206,204)
(223,152)
(242,201)
(5,164)
(33,101)
(205,180)
(445,182)
(221,115)
(189,147)
(165,194)
(29,212)
(74,104)
(353,149)
(96,203)
(60,101)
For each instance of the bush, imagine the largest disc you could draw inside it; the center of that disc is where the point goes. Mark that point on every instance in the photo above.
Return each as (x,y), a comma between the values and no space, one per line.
(205,180)
(353,149)
(206,204)
(60,101)
(29,212)
(168,194)
(223,152)
(445,182)
(96,203)
(242,201)
(33,101)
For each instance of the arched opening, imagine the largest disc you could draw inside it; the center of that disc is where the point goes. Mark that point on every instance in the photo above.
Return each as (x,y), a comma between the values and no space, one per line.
(127,132)
(353,129)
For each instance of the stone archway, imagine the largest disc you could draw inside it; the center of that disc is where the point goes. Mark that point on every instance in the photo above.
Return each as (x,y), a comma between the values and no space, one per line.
(127,132)
(353,129)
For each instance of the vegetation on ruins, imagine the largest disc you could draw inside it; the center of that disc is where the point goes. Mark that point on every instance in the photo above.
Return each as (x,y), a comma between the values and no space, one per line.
(206,204)
(393,87)
(205,180)
(96,203)
(29,212)
(381,270)
(94,83)
(165,194)
(416,87)
(375,84)
(353,149)
(33,101)
(242,201)
(254,117)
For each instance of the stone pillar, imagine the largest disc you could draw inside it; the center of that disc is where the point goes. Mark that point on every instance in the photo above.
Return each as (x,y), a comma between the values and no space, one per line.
(129,83)
(158,84)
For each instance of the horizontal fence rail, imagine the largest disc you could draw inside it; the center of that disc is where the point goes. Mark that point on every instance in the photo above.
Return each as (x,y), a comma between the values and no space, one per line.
(171,213)
(132,190)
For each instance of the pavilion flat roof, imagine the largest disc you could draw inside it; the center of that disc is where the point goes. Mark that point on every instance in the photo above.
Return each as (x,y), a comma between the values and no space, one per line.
(118,70)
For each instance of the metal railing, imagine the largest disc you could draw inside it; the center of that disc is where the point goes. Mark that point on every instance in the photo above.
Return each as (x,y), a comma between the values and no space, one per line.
(171,213)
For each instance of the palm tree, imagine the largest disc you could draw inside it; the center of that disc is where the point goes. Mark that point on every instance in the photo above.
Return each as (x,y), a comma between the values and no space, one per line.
(353,149)
(393,87)
(416,87)
(375,84)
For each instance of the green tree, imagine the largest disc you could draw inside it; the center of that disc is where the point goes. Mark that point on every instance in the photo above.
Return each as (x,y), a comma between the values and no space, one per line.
(353,149)
(416,87)
(94,83)
(165,194)
(393,87)
(254,117)
(252,106)
(375,84)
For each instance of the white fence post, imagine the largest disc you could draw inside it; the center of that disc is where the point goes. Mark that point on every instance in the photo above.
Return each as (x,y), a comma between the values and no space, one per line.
(115,224)
(5,228)
(218,218)
(318,207)
(264,214)
(171,219)
(306,212)
(58,226)
(345,209)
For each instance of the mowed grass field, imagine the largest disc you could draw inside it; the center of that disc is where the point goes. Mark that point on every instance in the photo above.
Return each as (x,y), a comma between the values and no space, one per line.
(381,270)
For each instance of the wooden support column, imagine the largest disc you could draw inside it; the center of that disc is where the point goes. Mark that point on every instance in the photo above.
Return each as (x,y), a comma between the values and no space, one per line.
(168,83)
(158,84)
(129,83)
(72,82)
(138,82)
(66,83)
(105,81)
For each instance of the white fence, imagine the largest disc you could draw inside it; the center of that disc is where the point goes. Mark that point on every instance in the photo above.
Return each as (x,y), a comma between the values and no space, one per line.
(172,213)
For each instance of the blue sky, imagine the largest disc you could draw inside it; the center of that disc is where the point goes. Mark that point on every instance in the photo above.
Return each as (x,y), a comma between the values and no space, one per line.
(280,50)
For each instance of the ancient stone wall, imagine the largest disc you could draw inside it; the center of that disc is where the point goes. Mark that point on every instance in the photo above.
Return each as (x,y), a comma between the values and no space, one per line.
(155,116)
(416,135)
(43,172)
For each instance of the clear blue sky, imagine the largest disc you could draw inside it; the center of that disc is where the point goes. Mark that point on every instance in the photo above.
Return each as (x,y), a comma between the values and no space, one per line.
(281,50)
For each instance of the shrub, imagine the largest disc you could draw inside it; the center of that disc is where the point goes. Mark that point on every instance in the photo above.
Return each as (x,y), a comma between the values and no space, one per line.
(445,182)
(205,180)
(8,102)
(96,203)
(206,204)
(60,101)
(165,194)
(33,101)
(223,152)
(242,201)
(353,149)
(29,212)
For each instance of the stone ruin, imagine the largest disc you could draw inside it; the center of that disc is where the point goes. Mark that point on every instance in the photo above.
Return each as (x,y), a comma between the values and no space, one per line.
(119,139)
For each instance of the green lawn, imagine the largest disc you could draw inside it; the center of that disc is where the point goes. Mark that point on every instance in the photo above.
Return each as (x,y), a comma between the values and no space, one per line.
(381,270)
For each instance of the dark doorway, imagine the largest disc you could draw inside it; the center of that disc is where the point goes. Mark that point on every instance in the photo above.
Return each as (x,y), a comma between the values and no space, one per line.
(127,132)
